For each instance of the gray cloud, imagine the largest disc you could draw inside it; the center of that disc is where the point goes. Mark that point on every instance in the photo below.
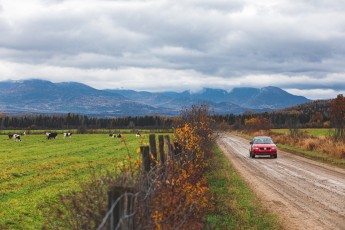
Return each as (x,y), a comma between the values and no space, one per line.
(298,46)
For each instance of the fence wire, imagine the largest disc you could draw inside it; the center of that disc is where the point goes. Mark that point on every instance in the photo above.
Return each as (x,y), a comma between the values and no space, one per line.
(133,211)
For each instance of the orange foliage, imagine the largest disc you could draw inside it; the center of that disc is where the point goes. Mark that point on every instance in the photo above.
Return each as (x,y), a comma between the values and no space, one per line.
(257,123)
(185,191)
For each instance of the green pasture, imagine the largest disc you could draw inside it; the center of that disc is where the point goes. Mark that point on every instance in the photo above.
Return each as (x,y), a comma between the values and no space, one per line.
(89,131)
(35,171)
(310,131)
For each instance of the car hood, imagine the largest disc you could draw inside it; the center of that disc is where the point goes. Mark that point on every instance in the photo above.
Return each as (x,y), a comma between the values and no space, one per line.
(264,145)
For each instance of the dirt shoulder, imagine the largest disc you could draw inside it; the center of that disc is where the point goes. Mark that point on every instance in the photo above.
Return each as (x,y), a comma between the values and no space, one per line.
(304,193)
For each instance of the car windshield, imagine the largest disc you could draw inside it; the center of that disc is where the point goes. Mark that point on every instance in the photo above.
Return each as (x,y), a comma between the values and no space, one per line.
(264,140)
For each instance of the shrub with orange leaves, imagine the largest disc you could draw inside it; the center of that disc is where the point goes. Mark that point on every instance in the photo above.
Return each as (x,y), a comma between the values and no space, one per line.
(193,130)
(184,192)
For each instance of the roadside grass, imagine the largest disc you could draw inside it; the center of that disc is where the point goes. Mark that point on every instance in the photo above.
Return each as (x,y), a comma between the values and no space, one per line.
(36,171)
(235,204)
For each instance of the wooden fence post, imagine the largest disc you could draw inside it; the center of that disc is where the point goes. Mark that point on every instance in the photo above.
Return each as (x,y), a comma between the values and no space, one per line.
(111,200)
(125,210)
(153,148)
(116,215)
(145,151)
(168,147)
(162,157)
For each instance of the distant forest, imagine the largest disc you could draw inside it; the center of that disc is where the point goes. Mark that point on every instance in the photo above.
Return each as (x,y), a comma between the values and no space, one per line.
(76,121)
(312,114)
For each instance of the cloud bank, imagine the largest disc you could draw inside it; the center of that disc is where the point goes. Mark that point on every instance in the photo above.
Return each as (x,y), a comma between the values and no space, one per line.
(160,45)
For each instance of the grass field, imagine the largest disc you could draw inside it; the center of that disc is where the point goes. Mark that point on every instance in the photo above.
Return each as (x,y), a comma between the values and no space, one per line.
(311,132)
(35,171)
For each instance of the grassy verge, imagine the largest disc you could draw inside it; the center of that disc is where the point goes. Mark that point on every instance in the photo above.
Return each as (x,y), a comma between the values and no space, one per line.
(235,205)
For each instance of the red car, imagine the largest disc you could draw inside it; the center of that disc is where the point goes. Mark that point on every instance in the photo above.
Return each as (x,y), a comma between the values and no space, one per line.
(262,145)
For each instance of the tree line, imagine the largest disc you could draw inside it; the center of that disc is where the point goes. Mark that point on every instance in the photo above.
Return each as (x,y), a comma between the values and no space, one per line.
(77,121)
(315,114)
(279,119)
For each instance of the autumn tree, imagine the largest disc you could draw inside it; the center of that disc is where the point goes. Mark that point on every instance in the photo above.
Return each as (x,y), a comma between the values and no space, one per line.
(316,119)
(257,123)
(337,113)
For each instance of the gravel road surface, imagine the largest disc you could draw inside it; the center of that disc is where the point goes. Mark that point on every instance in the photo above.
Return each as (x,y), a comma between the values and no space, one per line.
(304,193)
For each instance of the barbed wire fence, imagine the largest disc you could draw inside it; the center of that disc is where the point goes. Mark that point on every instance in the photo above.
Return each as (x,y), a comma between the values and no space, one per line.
(131,208)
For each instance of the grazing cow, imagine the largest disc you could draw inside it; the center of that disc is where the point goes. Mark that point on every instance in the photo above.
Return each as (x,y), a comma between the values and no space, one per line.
(23,133)
(10,136)
(111,135)
(119,135)
(138,134)
(51,135)
(16,137)
(67,135)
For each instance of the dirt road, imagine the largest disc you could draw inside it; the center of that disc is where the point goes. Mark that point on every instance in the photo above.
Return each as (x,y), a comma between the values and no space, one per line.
(306,194)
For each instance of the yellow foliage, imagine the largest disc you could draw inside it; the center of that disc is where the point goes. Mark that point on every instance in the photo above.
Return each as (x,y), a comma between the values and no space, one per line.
(185,187)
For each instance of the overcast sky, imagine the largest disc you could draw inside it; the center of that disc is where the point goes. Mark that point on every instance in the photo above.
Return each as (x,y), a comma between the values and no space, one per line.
(160,45)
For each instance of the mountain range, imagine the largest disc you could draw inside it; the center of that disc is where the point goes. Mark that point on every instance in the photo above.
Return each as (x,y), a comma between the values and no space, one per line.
(40,96)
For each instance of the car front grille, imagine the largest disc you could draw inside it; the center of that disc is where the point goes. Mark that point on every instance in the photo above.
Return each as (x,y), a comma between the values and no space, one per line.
(267,148)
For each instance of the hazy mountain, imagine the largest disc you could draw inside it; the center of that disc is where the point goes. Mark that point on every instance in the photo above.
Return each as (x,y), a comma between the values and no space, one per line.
(39,96)
(267,98)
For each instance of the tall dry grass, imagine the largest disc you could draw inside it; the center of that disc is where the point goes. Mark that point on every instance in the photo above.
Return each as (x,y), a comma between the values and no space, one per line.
(323,144)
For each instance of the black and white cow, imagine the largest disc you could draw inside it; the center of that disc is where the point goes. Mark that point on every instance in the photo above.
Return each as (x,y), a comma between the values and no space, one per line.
(51,135)
(15,136)
(138,134)
(115,135)
(67,135)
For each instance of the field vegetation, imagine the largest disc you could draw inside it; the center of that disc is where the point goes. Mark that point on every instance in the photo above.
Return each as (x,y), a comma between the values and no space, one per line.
(313,132)
(36,170)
